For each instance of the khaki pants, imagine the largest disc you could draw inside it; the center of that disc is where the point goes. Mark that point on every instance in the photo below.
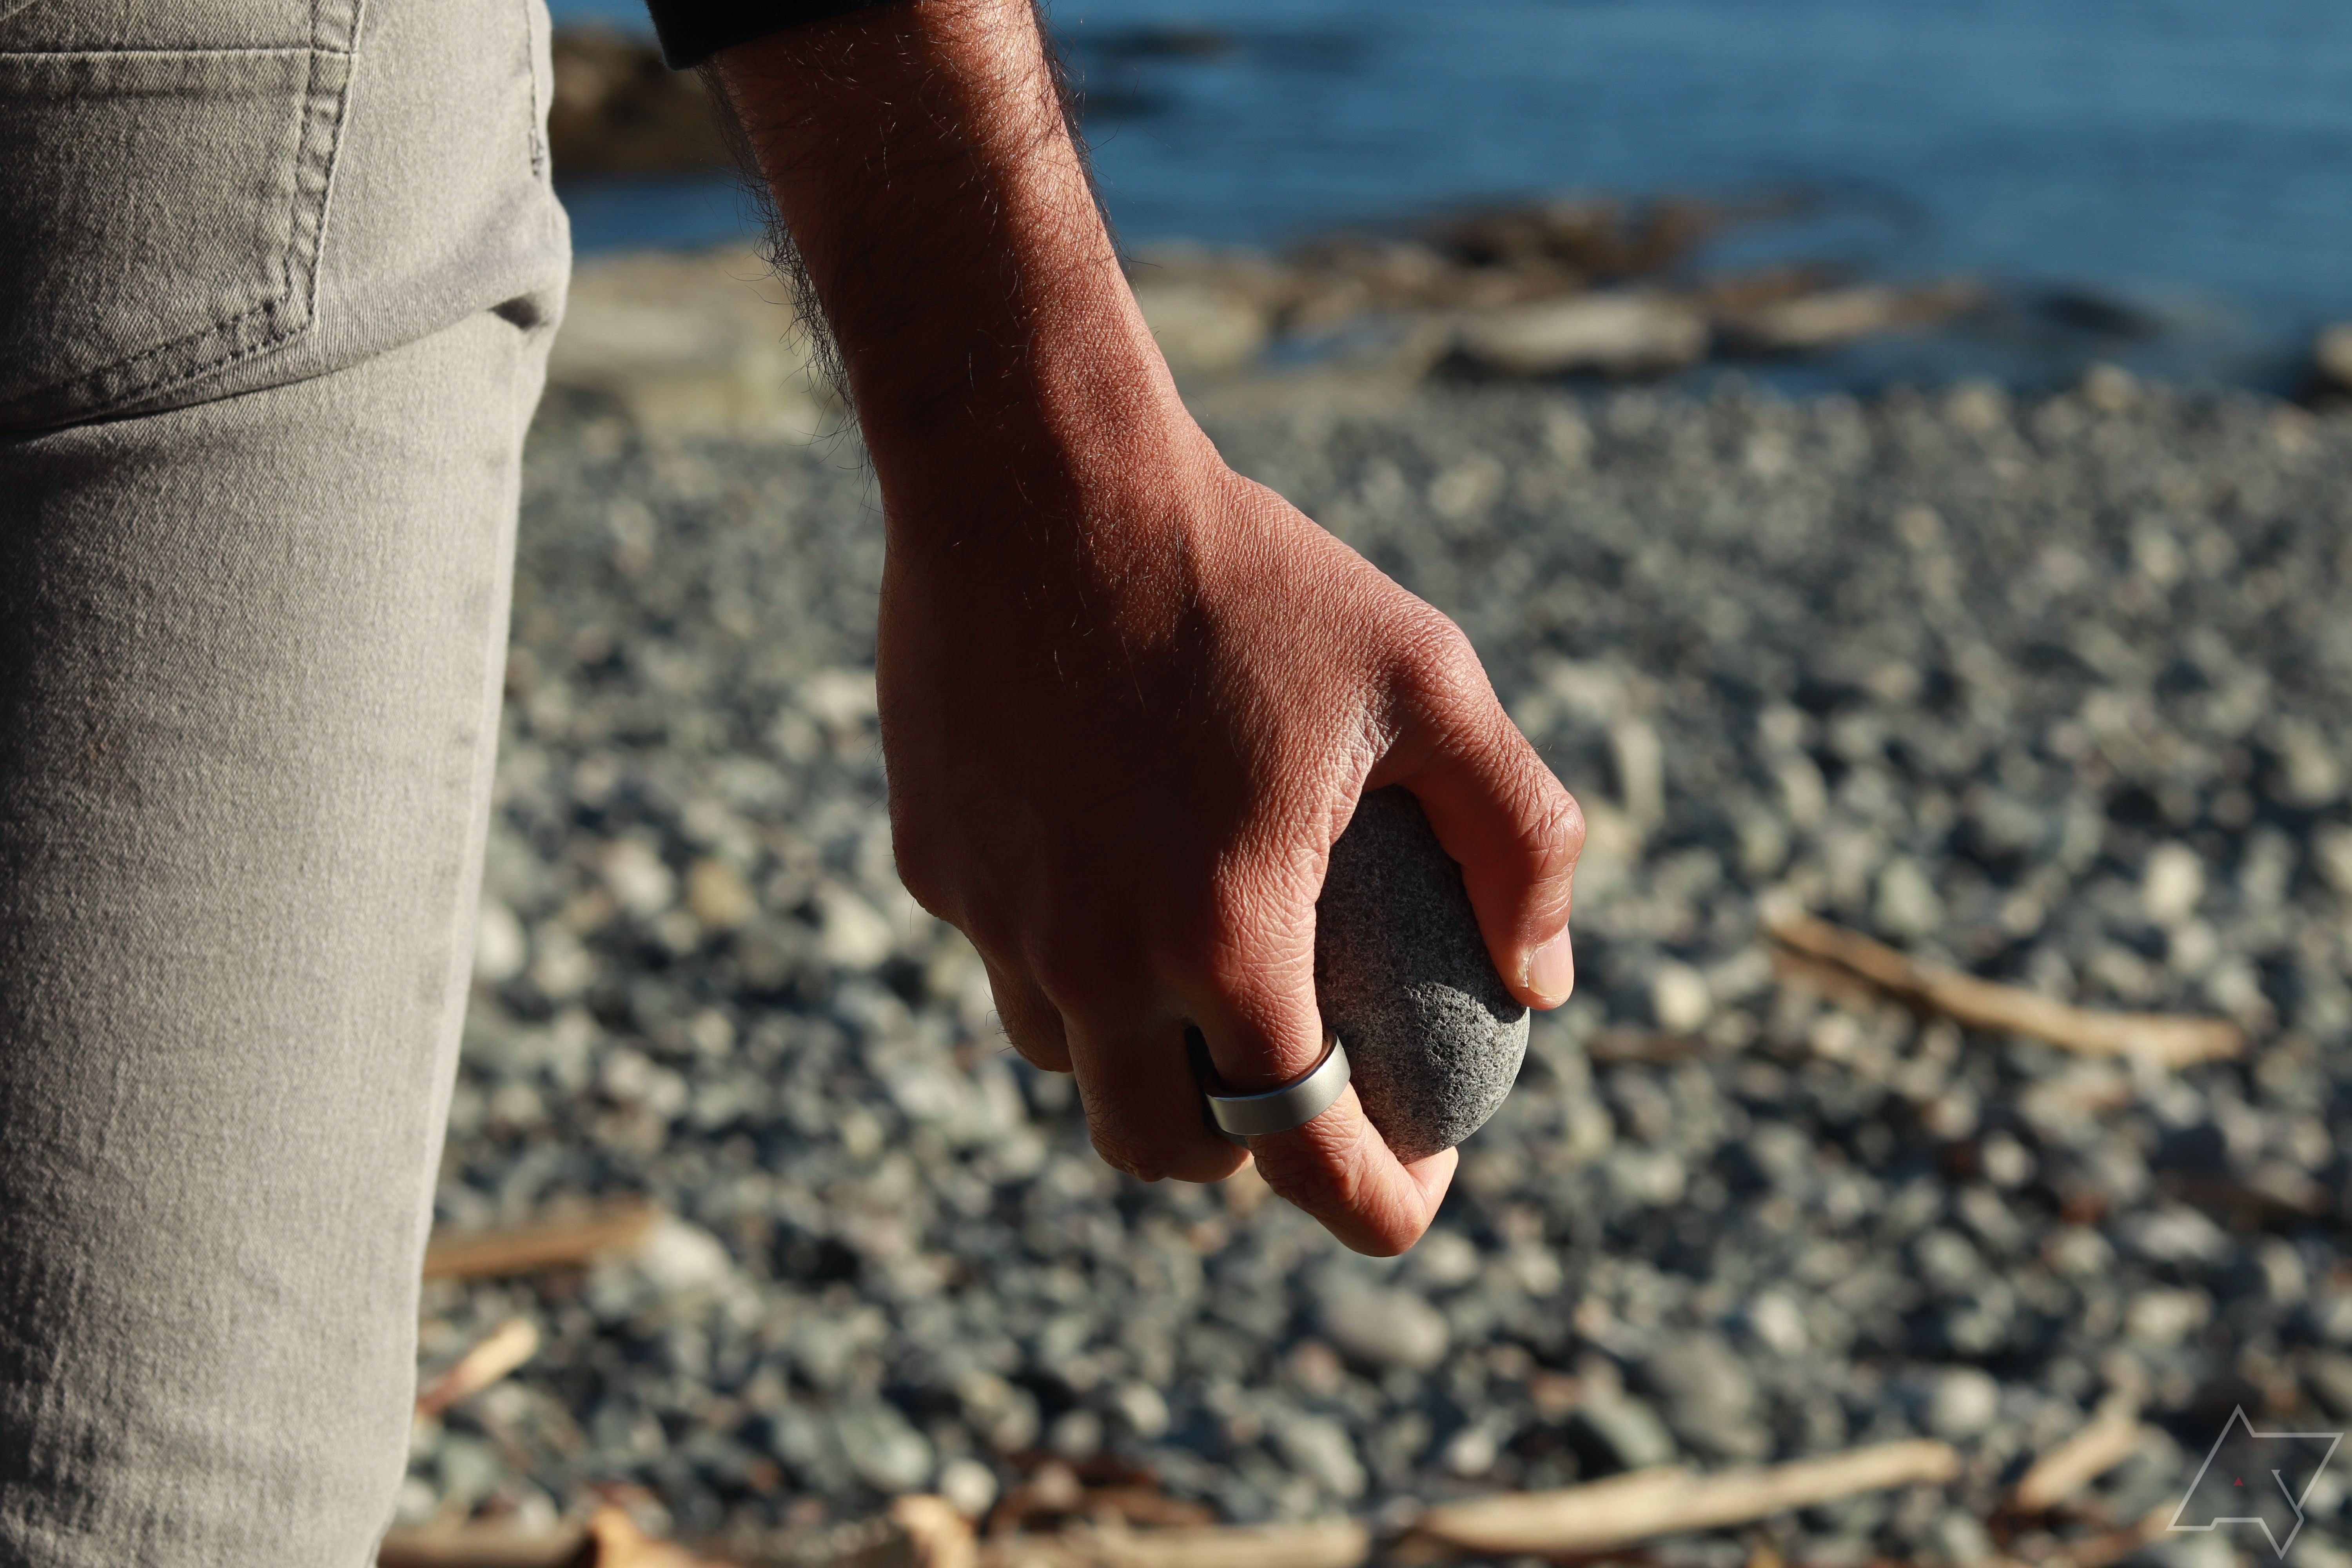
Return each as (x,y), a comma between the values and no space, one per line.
(277,278)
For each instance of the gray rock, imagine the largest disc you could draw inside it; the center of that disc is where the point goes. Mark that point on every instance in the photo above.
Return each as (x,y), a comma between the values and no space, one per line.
(2329,1377)
(1434,1039)
(1710,1399)
(2331,356)
(1384,1327)
(1321,1450)
(1627,333)
(1620,1433)
(1959,1539)
(1959,1403)
(886,1453)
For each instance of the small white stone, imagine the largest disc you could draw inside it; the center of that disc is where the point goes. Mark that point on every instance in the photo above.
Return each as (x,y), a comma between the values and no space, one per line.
(1908,904)
(500,947)
(1076,1435)
(1319,1449)
(676,1257)
(1779,1323)
(2171,884)
(1961,1402)
(637,877)
(1445,1258)
(851,935)
(2165,1316)
(1679,998)
(1143,1409)
(1386,1327)
(1470,1452)
(968,1485)
(717,895)
(2006,1162)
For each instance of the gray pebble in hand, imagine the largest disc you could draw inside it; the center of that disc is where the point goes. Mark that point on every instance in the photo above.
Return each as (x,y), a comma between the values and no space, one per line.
(1434,1037)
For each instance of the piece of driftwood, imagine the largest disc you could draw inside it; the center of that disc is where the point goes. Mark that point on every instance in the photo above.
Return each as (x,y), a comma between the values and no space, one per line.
(2107,1439)
(502,1351)
(1324,1543)
(569,1242)
(937,1530)
(2113,1546)
(2169,1039)
(609,1539)
(478,1546)
(1670,1499)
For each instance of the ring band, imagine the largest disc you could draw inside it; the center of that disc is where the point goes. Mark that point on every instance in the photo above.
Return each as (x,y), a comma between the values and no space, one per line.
(1294,1104)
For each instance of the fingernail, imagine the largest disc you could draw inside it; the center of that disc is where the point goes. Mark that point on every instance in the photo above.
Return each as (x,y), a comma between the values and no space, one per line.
(1551,972)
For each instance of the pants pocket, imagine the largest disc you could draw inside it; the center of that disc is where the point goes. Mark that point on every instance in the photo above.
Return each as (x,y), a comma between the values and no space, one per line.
(161,217)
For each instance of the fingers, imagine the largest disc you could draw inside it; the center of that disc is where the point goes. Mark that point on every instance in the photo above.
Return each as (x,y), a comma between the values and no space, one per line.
(1263,1030)
(1516,833)
(1145,1114)
(1030,1020)
(1338,1170)
(1143,1103)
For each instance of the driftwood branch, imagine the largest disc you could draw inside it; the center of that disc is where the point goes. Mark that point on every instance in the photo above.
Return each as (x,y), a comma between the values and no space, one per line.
(538,1248)
(502,1351)
(2115,1545)
(609,1540)
(927,1532)
(2107,1440)
(474,1546)
(1670,1500)
(1328,1543)
(2170,1040)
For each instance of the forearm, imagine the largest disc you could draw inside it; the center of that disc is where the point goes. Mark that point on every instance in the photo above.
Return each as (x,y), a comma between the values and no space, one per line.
(1128,699)
(919,159)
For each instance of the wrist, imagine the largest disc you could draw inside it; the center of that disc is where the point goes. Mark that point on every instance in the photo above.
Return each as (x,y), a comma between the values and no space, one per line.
(919,162)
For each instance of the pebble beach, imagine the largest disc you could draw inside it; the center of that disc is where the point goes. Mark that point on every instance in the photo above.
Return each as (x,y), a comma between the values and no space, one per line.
(2052,690)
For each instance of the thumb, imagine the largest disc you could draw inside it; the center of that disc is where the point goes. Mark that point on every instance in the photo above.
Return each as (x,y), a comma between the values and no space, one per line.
(1515,831)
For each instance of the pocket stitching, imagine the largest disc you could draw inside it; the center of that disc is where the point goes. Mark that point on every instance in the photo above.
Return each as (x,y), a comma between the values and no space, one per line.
(325,104)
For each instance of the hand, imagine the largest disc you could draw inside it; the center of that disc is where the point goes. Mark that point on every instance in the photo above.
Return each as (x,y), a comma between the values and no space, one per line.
(1121,736)
(1128,699)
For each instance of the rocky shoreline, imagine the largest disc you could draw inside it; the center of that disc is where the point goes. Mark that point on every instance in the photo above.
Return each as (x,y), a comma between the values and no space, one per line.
(2053,691)
(1586,286)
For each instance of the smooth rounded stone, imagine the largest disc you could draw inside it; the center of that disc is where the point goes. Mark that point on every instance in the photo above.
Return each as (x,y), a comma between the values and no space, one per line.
(1434,1039)
(1958,1540)
(1384,1327)
(1620,1433)
(886,1453)
(1709,1397)
(2331,356)
(1319,1449)
(1960,1402)
(2328,1376)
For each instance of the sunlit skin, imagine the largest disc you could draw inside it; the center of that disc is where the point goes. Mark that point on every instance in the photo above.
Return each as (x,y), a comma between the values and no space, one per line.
(1129,698)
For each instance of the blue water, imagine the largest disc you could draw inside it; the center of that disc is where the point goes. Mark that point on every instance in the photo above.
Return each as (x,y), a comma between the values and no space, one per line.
(2187,157)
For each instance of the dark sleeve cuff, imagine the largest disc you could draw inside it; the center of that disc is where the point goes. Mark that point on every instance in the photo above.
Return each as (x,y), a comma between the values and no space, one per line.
(691,31)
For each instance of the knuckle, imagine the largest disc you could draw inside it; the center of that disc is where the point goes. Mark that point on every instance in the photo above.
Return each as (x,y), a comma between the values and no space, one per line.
(1439,652)
(1138,1157)
(1554,835)
(1074,962)
(921,862)
(1047,1052)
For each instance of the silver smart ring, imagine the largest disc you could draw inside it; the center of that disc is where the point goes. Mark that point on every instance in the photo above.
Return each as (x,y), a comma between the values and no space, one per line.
(1294,1104)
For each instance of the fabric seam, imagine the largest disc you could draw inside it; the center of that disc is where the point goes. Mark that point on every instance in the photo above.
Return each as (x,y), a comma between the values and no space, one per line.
(332,66)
